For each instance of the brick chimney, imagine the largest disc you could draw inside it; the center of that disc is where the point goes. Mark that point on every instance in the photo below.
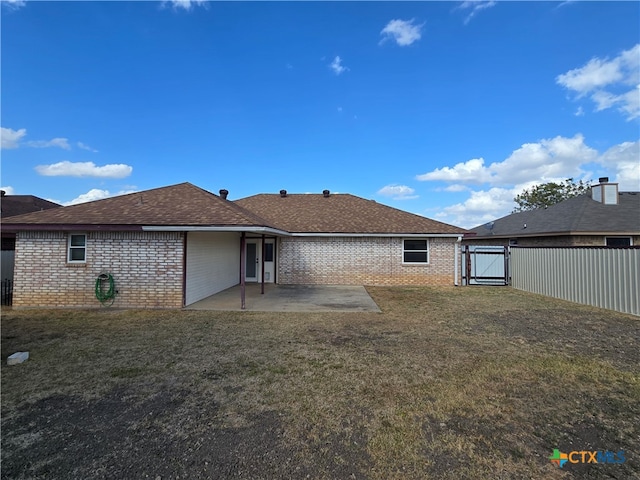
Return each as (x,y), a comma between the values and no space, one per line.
(605,192)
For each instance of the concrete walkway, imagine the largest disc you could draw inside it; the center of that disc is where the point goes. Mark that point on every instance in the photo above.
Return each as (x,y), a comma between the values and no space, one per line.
(291,298)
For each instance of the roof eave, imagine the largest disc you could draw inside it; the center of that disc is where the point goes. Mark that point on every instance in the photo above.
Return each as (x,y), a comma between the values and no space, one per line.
(387,234)
(212,228)
(68,227)
(552,234)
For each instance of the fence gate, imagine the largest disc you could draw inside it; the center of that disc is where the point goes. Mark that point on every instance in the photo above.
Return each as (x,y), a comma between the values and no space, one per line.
(485,265)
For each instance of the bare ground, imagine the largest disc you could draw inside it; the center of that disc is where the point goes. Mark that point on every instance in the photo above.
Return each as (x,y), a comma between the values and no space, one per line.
(444,383)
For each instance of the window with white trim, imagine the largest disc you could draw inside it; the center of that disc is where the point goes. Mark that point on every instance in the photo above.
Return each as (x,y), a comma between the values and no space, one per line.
(77,248)
(618,242)
(415,250)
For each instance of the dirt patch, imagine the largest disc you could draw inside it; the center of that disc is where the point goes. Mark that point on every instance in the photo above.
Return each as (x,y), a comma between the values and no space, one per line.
(588,332)
(165,435)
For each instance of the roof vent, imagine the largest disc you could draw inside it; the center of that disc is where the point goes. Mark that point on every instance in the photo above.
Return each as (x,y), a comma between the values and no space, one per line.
(325,193)
(3,193)
(283,193)
(224,193)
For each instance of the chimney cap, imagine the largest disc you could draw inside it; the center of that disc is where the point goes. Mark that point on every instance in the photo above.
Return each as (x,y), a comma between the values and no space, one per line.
(283,193)
(224,193)
(603,180)
(326,193)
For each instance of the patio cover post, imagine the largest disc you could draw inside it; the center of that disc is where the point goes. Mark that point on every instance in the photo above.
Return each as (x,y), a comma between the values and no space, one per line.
(262,286)
(243,262)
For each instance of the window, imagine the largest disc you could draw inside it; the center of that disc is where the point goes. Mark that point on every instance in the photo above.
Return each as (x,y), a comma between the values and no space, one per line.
(415,250)
(77,248)
(618,241)
(268,252)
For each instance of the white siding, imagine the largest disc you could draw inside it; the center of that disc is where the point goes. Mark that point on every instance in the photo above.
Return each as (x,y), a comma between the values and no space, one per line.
(213,264)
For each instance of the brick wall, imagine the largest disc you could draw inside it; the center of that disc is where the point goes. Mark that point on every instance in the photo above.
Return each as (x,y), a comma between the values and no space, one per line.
(146,267)
(361,261)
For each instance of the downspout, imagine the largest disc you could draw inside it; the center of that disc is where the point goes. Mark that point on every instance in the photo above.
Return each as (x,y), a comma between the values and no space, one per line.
(455,261)
(184,270)
(262,262)
(243,262)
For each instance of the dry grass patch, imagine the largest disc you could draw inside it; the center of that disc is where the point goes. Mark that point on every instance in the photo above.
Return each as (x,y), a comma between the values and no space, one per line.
(445,383)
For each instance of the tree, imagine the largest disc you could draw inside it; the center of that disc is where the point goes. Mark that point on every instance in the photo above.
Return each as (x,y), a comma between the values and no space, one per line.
(550,193)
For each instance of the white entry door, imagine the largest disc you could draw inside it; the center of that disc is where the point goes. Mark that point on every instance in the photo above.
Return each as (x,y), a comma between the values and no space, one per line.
(253,268)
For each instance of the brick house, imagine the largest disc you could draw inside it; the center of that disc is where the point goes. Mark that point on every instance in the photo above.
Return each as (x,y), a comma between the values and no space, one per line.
(170,247)
(602,217)
(12,205)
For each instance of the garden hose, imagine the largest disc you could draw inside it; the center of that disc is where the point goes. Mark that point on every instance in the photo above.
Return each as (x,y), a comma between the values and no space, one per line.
(107,297)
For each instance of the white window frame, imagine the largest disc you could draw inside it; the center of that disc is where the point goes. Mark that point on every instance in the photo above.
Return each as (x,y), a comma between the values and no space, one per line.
(427,251)
(71,247)
(621,236)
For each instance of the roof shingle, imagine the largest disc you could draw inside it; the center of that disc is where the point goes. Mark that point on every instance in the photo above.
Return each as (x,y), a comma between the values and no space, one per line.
(182,204)
(579,214)
(339,213)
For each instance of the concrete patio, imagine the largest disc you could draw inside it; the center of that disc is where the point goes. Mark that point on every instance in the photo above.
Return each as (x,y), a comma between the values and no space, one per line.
(291,298)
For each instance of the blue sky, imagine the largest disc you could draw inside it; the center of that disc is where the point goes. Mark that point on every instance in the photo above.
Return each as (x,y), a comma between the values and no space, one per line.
(445,109)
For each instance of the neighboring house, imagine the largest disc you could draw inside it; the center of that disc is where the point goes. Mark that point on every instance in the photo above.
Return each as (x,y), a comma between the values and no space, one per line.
(602,217)
(12,205)
(170,247)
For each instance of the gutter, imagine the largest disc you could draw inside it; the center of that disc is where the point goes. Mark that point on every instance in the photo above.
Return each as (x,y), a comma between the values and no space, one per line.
(234,228)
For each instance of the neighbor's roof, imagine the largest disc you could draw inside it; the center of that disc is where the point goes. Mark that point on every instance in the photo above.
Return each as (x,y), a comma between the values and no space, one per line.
(183,204)
(576,216)
(11,205)
(340,213)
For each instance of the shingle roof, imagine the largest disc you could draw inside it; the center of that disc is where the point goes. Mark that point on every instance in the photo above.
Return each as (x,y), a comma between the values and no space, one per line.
(185,204)
(182,204)
(11,205)
(339,213)
(577,215)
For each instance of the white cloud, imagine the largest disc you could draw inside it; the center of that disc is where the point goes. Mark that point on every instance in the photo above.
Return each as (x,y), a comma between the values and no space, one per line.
(8,190)
(84,146)
(54,142)
(482,206)
(624,159)
(14,4)
(608,83)
(337,67)
(579,112)
(84,169)
(475,6)
(96,194)
(472,171)
(544,160)
(549,160)
(456,188)
(403,32)
(11,138)
(541,161)
(184,4)
(398,192)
